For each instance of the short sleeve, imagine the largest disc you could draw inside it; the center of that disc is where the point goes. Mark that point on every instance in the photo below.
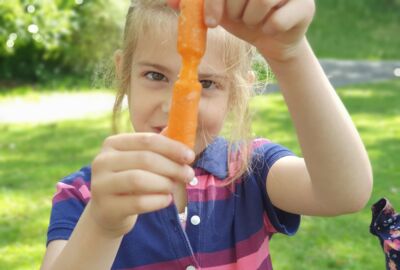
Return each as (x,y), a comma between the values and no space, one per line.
(265,154)
(69,201)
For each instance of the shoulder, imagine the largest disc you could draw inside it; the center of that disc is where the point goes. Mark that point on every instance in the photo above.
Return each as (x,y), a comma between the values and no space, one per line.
(84,174)
(255,156)
(267,152)
(74,186)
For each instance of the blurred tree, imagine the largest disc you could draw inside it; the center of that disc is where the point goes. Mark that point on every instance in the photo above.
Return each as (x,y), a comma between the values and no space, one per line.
(101,24)
(42,38)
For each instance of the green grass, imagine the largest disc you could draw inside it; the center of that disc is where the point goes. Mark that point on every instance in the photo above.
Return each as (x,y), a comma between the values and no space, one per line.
(60,84)
(342,242)
(357,29)
(34,158)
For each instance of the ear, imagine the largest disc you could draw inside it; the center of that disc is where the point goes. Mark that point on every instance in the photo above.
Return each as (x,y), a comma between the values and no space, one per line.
(251,77)
(118,63)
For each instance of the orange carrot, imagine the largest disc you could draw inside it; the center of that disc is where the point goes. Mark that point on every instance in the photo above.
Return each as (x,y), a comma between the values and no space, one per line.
(192,36)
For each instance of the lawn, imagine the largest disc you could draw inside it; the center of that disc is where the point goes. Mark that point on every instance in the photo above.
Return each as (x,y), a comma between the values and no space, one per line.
(357,29)
(342,242)
(33,158)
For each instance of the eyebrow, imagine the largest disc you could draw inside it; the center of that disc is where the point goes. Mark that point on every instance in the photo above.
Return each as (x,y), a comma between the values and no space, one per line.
(155,66)
(162,68)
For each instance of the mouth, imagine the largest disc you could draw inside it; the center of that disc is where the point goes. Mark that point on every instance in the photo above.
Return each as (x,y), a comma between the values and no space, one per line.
(158,129)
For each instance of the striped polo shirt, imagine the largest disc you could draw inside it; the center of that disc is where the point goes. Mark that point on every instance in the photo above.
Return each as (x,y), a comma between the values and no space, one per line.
(228,226)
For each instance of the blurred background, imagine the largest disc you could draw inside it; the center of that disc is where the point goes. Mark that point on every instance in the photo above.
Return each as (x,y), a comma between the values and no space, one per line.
(44,39)
(56,98)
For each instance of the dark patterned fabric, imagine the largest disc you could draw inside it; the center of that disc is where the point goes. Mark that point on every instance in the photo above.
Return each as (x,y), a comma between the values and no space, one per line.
(386,226)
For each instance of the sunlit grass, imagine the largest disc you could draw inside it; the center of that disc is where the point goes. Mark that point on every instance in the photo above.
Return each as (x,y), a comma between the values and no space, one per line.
(342,242)
(356,29)
(34,157)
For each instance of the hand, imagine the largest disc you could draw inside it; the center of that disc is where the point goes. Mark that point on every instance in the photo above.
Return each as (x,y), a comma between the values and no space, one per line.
(135,174)
(275,27)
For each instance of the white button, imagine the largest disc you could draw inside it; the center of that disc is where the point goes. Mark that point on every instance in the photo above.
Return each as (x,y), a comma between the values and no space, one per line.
(194,181)
(190,267)
(195,220)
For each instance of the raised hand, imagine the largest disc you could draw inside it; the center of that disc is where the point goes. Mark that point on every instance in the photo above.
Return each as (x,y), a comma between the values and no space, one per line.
(135,174)
(275,27)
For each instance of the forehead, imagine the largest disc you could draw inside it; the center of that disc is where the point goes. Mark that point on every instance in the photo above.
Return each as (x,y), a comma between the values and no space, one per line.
(160,46)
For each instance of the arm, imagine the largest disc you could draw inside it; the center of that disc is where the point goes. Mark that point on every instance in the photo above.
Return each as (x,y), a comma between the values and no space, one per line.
(335,175)
(134,173)
(88,248)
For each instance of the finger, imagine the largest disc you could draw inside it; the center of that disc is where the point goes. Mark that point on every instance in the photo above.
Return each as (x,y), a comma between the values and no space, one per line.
(257,10)
(118,161)
(164,132)
(213,12)
(235,8)
(295,13)
(138,182)
(157,143)
(132,205)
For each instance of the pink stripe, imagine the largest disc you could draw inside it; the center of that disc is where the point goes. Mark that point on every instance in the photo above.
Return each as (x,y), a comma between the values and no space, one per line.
(170,265)
(78,189)
(251,261)
(258,142)
(211,194)
(209,188)
(247,254)
(205,182)
(85,192)
(268,225)
(241,249)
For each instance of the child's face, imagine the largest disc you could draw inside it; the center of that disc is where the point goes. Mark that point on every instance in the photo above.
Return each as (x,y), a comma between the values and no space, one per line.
(155,68)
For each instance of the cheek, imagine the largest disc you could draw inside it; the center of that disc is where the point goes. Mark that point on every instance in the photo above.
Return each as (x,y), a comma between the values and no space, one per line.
(138,113)
(135,117)
(211,117)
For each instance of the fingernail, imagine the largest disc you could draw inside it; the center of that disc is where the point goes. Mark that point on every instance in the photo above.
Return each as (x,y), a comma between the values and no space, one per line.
(189,155)
(211,21)
(189,173)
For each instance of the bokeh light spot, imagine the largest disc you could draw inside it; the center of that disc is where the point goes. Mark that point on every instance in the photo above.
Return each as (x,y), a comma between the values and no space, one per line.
(33,29)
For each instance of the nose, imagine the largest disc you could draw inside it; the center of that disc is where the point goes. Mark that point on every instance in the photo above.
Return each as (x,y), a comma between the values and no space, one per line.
(166,105)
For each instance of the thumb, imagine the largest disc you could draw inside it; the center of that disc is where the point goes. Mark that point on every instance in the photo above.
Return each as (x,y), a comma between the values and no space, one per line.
(165,132)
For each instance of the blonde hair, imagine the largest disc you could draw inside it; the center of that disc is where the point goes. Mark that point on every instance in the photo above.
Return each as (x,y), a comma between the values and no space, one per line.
(144,14)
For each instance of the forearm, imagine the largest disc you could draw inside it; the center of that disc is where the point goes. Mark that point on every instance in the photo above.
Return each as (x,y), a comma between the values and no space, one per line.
(335,156)
(88,248)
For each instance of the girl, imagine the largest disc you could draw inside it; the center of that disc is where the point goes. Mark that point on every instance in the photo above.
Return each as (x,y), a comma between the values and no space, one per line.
(147,202)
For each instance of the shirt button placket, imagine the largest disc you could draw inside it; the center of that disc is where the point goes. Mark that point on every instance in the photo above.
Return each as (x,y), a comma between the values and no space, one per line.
(194,182)
(195,220)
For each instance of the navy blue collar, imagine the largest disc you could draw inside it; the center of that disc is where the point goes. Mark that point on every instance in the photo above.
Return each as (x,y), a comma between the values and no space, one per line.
(214,159)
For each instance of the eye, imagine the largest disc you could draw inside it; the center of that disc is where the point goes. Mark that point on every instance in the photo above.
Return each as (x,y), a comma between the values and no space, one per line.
(207,84)
(155,76)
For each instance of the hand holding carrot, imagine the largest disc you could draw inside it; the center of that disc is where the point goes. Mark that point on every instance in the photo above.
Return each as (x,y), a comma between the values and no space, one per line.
(135,174)
(275,27)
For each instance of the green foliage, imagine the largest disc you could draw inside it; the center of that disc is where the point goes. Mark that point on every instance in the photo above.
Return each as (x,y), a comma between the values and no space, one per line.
(101,25)
(44,37)
(74,36)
